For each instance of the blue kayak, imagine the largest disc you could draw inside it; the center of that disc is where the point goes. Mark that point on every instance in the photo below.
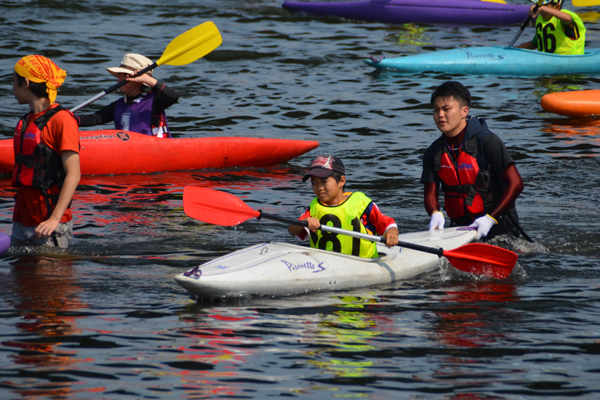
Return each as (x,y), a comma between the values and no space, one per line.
(495,60)
(417,11)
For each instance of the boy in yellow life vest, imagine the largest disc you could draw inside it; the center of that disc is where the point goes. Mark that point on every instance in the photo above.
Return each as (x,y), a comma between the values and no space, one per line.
(556,31)
(345,210)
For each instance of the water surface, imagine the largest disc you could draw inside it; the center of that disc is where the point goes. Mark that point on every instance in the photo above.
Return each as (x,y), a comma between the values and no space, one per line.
(107,320)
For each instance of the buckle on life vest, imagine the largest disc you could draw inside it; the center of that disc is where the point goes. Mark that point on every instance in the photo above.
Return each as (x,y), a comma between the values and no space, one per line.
(25,160)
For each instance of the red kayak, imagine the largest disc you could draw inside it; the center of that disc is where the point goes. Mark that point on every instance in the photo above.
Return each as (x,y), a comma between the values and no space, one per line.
(111,152)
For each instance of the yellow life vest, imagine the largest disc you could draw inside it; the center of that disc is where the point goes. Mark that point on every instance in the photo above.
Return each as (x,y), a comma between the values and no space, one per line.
(550,36)
(346,215)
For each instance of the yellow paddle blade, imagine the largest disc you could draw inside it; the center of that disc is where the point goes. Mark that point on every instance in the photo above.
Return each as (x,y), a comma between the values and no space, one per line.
(586,3)
(192,45)
(495,1)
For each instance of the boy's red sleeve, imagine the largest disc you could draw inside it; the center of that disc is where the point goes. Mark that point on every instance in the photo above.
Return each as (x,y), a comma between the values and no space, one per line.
(375,218)
(303,235)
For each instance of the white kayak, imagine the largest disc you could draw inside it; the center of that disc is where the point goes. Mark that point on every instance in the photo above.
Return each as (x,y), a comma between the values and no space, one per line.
(282,269)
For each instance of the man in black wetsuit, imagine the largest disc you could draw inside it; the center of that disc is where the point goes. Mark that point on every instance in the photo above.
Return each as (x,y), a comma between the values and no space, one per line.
(472,165)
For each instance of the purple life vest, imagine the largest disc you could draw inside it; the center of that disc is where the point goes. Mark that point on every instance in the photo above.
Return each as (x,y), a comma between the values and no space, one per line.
(137,117)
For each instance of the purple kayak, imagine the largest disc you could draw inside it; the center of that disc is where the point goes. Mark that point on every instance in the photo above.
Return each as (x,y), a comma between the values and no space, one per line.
(420,11)
(4,243)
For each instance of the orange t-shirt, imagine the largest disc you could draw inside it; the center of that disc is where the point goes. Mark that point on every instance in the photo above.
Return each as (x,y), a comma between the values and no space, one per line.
(61,133)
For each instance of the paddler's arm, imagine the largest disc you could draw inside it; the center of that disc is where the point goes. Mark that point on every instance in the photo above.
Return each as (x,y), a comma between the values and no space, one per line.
(514,187)
(384,225)
(295,230)
(70,160)
(313,225)
(164,97)
(100,117)
(300,231)
(432,203)
(549,12)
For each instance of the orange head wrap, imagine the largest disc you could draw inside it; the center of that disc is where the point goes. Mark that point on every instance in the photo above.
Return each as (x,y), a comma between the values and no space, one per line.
(40,69)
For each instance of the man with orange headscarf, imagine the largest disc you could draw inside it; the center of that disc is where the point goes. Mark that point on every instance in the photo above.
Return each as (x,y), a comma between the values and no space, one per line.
(47,169)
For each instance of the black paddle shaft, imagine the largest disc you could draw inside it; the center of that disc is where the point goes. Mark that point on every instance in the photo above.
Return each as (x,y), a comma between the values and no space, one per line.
(124,81)
(523,27)
(437,251)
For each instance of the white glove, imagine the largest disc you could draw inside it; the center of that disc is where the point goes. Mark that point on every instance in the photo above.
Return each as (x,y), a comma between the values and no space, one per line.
(437,221)
(483,225)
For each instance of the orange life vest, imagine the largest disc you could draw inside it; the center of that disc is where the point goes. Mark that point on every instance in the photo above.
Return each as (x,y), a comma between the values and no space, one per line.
(464,183)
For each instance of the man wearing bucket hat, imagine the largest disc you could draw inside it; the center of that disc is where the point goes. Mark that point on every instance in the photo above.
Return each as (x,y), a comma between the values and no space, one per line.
(46,156)
(556,31)
(142,109)
(350,211)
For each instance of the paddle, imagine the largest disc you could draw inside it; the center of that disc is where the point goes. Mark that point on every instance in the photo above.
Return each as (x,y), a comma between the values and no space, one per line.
(184,49)
(220,208)
(586,3)
(537,5)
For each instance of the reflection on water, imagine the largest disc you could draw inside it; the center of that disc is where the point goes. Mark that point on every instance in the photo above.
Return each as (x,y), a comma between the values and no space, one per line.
(588,128)
(344,331)
(414,35)
(578,136)
(211,346)
(466,322)
(554,84)
(44,288)
(133,209)
(44,292)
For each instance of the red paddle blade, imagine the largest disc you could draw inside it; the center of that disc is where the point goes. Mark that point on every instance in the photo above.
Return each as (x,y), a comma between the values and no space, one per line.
(214,207)
(482,259)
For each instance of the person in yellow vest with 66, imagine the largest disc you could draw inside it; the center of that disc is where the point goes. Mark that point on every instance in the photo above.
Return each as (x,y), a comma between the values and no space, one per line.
(556,31)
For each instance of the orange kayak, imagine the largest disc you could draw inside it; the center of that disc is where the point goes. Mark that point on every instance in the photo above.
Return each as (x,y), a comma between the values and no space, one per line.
(580,103)
(111,152)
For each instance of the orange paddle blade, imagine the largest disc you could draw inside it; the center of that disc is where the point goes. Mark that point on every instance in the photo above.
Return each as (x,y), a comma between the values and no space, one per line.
(215,207)
(483,259)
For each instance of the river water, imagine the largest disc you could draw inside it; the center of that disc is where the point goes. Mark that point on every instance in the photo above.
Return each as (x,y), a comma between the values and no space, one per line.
(106,319)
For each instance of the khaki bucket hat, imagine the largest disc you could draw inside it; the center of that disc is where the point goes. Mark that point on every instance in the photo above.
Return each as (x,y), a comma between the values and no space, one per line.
(131,62)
